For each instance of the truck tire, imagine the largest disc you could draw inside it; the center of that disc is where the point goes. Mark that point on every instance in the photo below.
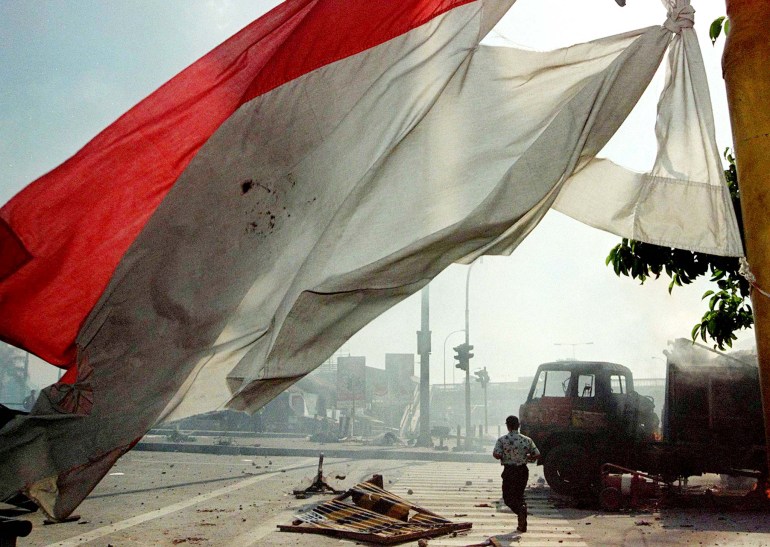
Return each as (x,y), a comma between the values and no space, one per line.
(567,469)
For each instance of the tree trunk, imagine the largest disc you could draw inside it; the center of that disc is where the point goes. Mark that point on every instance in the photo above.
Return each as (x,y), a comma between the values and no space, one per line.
(746,71)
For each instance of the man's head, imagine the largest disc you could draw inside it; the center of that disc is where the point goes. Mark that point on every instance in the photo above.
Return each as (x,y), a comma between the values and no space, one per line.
(512,422)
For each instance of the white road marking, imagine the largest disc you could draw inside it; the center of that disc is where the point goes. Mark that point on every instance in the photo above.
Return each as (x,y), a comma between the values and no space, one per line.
(163,511)
(442,488)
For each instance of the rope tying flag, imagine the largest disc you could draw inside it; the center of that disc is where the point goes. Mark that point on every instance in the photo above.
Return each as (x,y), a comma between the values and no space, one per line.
(680,17)
(745,271)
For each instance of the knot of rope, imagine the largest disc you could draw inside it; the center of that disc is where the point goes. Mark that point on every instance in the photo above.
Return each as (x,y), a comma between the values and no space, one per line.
(679,18)
(745,271)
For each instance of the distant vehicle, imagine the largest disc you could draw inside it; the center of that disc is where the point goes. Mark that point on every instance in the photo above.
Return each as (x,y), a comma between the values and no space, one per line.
(583,414)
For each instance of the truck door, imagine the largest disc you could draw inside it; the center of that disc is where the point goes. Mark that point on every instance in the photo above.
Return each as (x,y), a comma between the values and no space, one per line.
(588,414)
(550,402)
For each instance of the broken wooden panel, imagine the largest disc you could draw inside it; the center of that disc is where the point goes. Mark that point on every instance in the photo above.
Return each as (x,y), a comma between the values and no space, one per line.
(369,513)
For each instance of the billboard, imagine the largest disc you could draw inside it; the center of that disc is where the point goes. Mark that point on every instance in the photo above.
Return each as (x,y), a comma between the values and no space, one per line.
(351,382)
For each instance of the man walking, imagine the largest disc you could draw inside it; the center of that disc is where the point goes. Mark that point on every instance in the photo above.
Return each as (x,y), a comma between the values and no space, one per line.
(514,450)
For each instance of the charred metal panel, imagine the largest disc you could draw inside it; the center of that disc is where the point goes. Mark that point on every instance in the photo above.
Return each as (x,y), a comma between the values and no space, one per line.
(711,398)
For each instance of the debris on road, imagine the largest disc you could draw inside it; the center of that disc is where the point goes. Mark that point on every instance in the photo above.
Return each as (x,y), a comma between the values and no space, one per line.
(504,540)
(625,487)
(71,518)
(367,512)
(319,486)
(387,438)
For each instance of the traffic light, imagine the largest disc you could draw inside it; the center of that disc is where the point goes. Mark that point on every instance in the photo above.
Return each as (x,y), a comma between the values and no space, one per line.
(463,356)
(482,376)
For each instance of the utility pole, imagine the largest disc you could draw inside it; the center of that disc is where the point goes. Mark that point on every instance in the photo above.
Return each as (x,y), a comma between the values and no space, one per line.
(467,355)
(747,79)
(423,348)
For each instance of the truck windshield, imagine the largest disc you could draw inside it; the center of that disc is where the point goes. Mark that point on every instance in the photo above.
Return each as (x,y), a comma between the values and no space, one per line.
(552,383)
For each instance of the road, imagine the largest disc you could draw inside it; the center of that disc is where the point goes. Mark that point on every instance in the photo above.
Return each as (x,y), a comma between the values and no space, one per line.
(204,499)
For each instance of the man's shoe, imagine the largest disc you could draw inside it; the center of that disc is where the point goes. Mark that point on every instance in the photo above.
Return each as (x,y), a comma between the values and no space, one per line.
(522,527)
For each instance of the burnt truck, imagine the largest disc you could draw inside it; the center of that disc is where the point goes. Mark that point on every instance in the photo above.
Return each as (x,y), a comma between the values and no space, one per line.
(583,414)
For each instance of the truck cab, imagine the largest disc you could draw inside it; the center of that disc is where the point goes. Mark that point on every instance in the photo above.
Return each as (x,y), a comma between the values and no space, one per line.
(582,414)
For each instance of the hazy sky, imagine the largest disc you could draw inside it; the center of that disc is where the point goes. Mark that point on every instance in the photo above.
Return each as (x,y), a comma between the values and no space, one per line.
(71,67)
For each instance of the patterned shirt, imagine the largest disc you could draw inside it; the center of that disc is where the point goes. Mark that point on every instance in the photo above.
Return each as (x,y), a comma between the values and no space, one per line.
(514,448)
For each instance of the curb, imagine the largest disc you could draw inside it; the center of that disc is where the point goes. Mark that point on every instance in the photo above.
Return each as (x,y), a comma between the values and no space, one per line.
(370,454)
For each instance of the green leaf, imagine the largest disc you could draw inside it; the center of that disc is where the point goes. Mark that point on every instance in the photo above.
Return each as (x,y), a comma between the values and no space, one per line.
(694,333)
(727,26)
(716,29)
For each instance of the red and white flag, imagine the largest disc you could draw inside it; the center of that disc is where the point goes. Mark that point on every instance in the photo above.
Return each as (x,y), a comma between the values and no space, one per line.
(225,236)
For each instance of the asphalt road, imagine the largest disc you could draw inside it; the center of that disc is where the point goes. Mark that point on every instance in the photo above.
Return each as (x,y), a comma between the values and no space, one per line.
(155,498)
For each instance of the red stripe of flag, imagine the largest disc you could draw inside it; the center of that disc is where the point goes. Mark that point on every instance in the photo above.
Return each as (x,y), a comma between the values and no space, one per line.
(77,221)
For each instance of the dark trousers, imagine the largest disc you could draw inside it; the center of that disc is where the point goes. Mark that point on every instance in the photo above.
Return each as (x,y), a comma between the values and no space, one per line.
(514,481)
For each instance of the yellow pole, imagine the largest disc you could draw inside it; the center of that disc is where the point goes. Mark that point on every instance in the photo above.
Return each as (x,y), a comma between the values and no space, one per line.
(746,70)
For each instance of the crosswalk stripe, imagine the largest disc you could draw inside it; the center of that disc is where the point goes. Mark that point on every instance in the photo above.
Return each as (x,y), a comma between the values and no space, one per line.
(454,492)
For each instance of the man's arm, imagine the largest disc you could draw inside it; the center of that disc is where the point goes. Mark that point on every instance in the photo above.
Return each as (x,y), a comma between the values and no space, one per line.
(534,453)
(497,452)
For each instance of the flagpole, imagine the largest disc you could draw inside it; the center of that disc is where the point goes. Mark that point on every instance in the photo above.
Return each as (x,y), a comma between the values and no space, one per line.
(747,80)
